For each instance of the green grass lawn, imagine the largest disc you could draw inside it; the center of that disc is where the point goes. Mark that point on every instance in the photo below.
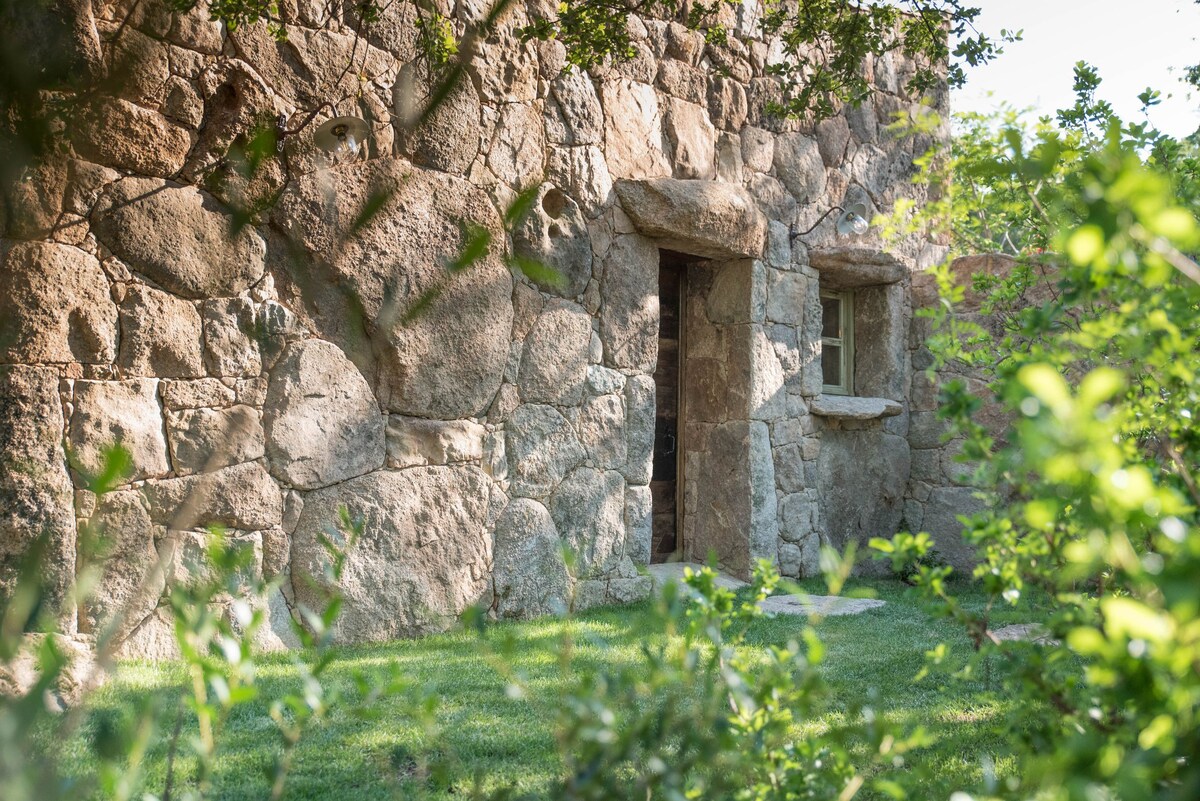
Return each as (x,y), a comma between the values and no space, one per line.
(507,741)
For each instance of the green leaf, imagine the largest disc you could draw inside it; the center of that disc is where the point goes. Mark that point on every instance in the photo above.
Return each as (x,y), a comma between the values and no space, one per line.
(1100,386)
(1044,383)
(1159,732)
(520,205)
(1086,244)
(890,788)
(1086,641)
(537,272)
(882,545)
(1175,224)
(1126,617)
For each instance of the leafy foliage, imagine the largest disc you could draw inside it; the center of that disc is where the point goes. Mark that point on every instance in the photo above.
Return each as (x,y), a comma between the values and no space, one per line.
(700,714)
(237,13)
(1094,484)
(825,41)
(218,610)
(435,37)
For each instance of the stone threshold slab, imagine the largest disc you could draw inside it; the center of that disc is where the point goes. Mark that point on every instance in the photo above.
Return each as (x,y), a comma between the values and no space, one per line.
(823,605)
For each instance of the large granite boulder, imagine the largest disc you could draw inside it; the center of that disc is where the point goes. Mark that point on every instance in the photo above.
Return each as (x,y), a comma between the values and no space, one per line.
(440,328)
(588,508)
(629,311)
(633,139)
(54,305)
(35,490)
(736,519)
(639,524)
(123,135)
(445,138)
(34,204)
(799,165)
(601,428)
(542,448)
(852,267)
(133,572)
(59,41)
(786,296)
(202,440)
(394,29)
(143,64)
(517,152)
(942,511)
(691,139)
(232,337)
(241,497)
(178,237)
(573,115)
(308,66)
(424,555)
(639,429)
(530,575)
(125,413)
(160,335)
(553,235)
(79,675)
(554,362)
(322,422)
(583,174)
(414,441)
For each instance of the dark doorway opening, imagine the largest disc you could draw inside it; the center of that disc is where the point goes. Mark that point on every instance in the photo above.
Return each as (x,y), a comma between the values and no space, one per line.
(666,481)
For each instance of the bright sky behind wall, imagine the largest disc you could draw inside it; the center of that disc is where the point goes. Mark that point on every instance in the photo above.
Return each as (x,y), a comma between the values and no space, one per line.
(1133,45)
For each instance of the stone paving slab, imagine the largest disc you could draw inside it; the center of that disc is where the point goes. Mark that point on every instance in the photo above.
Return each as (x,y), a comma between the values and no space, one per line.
(1026,632)
(824,605)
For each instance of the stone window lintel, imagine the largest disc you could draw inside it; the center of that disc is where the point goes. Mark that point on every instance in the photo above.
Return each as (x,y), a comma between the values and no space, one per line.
(852,268)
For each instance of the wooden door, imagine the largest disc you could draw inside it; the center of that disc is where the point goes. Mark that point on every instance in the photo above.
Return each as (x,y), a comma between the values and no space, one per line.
(665,482)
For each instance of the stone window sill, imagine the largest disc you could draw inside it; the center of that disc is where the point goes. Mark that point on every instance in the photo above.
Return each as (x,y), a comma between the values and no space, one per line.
(847,407)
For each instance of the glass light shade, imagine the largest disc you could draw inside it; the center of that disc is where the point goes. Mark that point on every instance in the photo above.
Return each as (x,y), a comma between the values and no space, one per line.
(341,136)
(853,221)
(347,145)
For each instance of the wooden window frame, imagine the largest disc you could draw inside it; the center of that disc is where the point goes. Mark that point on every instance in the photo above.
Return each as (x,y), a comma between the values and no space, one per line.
(845,297)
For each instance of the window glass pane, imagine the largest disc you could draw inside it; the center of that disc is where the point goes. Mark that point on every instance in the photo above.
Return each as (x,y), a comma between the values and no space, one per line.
(831,364)
(831,317)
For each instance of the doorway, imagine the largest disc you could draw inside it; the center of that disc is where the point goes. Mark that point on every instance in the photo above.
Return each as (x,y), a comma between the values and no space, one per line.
(666,483)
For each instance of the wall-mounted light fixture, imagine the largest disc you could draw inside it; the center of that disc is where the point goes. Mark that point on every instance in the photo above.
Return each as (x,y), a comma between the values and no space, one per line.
(851,222)
(341,136)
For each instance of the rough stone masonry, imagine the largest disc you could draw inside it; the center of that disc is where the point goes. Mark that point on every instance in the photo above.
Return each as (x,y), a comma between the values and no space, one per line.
(263,381)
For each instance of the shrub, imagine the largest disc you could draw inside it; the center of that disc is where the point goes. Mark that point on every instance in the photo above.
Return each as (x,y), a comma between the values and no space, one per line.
(1097,475)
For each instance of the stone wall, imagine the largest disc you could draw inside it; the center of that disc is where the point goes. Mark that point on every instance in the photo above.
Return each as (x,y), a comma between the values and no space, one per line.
(264,380)
(942,483)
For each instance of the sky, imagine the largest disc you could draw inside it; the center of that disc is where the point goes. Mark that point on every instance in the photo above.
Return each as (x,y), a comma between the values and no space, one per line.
(1133,44)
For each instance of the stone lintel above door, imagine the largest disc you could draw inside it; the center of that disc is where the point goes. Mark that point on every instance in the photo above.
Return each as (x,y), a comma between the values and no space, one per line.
(709,219)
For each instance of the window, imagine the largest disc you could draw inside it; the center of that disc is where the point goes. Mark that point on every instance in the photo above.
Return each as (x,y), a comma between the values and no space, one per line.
(837,342)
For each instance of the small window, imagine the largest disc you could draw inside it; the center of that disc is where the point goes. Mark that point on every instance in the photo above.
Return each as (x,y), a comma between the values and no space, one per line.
(837,343)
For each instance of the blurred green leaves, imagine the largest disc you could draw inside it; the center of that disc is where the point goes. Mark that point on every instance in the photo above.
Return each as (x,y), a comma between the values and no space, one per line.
(1093,348)
(703,714)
